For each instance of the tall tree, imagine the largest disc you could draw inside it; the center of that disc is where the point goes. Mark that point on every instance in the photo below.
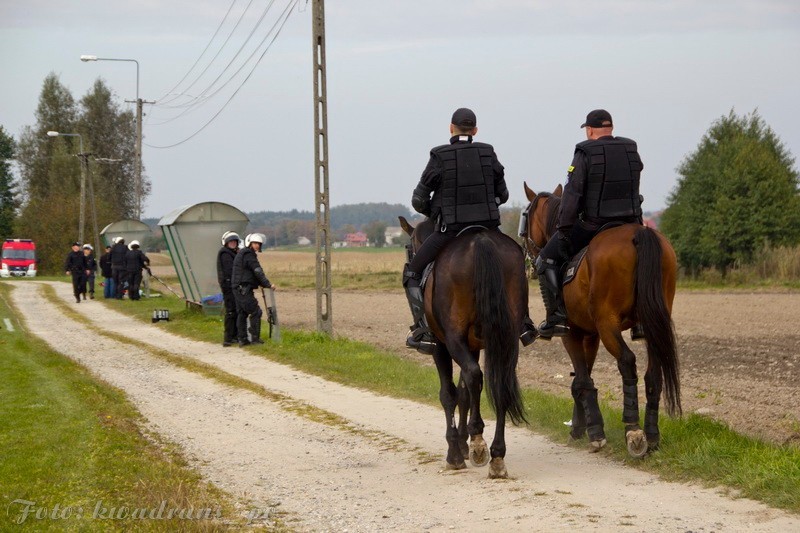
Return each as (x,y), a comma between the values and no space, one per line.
(376,233)
(8,197)
(737,191)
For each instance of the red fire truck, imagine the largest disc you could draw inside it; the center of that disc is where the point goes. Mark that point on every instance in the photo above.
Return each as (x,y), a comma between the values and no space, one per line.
(19,258)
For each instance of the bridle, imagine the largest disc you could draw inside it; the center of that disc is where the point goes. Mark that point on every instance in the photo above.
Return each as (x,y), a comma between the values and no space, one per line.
(532,249)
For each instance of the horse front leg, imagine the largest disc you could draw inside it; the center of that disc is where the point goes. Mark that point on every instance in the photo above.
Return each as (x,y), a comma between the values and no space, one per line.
(582,349)
(448,396)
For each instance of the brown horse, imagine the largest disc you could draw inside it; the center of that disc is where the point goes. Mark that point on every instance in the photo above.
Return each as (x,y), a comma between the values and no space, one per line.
(627,276)
(476,298)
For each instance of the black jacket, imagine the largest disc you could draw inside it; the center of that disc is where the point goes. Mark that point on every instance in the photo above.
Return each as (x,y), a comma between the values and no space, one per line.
(105,265)
(118,254)
(76,262)
(135,260)
(225,258)
(247,270)
(91,263)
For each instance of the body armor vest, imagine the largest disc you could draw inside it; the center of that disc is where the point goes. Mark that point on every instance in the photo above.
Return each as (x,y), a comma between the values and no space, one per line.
(467,192)
(612,185)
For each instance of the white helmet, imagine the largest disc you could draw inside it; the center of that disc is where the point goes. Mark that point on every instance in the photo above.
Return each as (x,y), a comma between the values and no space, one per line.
(253,237)
(132,244)
(115,240)
(87,247)
(229,236)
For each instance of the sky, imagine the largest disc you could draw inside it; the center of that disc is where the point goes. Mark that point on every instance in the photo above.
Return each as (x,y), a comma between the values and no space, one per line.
(396,70)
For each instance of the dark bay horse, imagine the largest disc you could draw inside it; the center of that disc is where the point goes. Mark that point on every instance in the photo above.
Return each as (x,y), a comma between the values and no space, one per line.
(627,276)
(476,298)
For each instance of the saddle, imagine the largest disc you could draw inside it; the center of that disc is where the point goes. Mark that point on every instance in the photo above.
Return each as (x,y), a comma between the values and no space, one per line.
(571,268)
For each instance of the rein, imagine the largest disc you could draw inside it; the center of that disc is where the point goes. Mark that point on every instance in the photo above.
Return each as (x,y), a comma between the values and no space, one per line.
(531,248)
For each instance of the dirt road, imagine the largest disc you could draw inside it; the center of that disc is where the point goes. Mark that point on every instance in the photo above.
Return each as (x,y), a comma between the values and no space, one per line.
(367,472)
(740,352)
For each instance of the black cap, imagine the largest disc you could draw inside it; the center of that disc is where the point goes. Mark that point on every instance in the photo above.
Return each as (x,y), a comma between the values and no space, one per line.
(464,118)
(76,243)
(599,118)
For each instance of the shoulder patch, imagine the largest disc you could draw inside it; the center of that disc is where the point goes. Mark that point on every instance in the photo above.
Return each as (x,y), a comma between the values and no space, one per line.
(570,168)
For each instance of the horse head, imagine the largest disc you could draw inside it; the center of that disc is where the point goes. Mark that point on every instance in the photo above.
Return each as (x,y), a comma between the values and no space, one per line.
(542,214)
(418,233)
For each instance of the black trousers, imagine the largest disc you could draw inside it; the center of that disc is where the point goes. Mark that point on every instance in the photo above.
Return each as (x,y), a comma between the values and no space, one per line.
(89,283)
(120,277)
(134,282)
(249,314)
(231,316)
(78,283)
(428,251)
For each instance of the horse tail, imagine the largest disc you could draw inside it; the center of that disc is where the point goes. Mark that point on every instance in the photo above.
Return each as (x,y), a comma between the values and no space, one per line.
(655,318)
(499,333)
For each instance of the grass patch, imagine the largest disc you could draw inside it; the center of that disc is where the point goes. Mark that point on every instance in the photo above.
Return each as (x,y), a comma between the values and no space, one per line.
(694,448)
(71,440)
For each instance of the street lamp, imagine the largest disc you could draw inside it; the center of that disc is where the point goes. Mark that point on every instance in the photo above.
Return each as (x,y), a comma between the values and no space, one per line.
(138,163)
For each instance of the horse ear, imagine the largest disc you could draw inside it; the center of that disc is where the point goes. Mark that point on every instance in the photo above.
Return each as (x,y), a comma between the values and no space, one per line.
(408,228)
(528,192)
(559,190)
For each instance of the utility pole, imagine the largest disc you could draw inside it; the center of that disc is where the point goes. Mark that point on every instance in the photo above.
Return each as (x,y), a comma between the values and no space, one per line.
(322,201)
(138,162)
(94,208)
(82,156)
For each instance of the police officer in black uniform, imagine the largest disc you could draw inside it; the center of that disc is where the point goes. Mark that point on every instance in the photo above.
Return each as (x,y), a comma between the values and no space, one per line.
(602,186)
(468,185)
(225,258)
(91,265)
(76,266)
(135,261)
(118,253)
(247,276)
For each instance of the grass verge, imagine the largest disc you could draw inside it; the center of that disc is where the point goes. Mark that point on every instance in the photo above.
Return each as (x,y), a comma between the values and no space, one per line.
(693,448)
(75,446)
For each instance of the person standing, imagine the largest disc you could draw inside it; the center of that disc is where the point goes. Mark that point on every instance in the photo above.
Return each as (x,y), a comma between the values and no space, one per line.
(108,276)
(225,258)
(135,261)
(247,276)
(118,272)
(75,265)
(602,187)
(91,265)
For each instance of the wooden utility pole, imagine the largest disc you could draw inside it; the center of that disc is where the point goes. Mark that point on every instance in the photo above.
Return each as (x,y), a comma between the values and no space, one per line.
(322,201)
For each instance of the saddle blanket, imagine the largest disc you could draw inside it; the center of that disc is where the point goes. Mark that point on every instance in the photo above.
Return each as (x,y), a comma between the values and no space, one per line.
(573,265)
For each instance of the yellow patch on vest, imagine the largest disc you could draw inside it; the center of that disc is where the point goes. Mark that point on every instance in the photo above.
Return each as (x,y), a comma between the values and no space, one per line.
(570,169)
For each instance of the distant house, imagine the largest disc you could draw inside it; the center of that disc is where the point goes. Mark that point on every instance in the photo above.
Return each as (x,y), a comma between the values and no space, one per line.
(356,240)
(303,241)
(652,219)
(391,233)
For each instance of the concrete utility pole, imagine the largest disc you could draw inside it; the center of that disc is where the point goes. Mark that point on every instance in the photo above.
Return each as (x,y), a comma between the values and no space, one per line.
(322,201)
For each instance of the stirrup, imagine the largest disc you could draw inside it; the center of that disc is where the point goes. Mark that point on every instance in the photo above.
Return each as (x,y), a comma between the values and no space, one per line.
(547,330)
(529,334)
(422,340)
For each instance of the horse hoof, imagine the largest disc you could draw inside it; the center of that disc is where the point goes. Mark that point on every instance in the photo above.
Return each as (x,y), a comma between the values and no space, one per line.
(577,433)
(478,452)
(457,466)
(596,445)
(497,469)
(653,442)
(464,447)
(637,443)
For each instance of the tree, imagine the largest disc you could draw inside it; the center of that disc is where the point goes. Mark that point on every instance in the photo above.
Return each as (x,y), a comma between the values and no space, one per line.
(8,197)
(737,191)
(376,233)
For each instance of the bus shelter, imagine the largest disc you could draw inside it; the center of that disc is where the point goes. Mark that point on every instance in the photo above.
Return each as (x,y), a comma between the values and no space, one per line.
(192,234)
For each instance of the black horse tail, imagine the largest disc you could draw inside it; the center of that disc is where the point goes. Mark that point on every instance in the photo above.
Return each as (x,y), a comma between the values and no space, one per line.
(499,333)
(655,318)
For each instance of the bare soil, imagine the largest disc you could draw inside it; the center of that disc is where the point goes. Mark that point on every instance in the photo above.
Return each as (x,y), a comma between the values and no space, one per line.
(739,351)
(371,470)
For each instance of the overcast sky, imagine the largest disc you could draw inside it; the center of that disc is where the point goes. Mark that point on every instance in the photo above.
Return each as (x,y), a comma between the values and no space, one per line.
(531,70)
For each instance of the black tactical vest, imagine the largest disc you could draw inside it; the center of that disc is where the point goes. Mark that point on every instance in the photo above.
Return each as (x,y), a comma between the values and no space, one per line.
(612,185)
(467,194)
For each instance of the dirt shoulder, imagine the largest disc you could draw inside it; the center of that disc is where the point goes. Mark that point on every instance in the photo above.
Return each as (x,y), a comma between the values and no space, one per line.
(332,478)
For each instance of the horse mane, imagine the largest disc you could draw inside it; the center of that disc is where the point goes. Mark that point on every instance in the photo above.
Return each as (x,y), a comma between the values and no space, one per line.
(551,216)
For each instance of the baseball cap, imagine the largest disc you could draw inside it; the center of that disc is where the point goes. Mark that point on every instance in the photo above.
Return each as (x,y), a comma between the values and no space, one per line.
(599,118)
(76,243)
(464,118)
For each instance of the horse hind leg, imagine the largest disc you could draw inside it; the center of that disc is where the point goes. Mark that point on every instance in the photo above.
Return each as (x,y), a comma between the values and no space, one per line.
(652,384)
(463,413)
(448,396)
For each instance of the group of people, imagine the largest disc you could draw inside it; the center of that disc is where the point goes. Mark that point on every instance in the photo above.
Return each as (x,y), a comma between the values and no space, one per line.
(239,273)
(463,185)
(121,267)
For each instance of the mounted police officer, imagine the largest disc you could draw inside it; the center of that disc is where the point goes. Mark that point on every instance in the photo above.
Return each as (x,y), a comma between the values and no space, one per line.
(225,258)
(602,187)
(77,266)
(468,185)
(247,276)
(118,253)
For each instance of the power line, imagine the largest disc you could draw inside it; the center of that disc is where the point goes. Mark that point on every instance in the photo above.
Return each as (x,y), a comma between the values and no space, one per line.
(286,14)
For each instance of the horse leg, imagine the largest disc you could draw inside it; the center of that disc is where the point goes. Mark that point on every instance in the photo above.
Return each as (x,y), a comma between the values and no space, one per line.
(473,379)
(463,412)
(448,397)
(626,363)
(582,350)
(652,387)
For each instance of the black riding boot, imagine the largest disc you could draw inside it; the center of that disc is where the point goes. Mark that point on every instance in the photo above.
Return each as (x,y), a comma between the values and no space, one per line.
(421,337)
(556,323)
(255,329)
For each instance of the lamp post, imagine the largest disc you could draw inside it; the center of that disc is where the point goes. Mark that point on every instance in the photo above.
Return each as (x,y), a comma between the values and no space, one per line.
(139,102)
(84,165)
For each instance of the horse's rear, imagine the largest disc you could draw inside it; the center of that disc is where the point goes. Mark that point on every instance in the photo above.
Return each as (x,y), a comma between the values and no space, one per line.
(477,299)
(628,276)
